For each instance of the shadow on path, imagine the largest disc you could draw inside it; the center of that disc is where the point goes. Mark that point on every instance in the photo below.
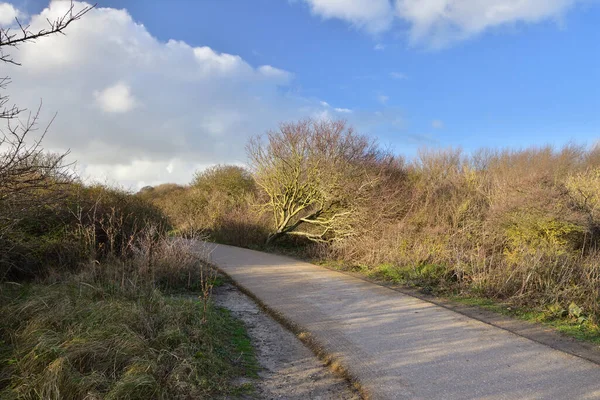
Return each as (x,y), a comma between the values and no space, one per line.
(400,347)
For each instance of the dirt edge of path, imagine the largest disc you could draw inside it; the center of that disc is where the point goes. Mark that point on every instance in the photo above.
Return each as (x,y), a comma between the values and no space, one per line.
(330,361)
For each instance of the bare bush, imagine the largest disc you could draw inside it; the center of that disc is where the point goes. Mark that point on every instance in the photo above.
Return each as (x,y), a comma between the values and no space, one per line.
(316,176)
(31,180)
(515,225)
(29,177)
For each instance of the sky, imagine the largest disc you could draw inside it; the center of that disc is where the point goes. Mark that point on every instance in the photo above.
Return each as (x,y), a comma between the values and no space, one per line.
(148,92)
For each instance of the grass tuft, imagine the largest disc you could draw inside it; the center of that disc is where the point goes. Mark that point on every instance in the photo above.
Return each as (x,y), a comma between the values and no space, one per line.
(76,341)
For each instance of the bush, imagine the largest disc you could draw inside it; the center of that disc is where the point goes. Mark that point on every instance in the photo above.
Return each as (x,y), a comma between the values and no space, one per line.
(522,226)
(319,178)
(233,182)
(219,204)
(81,225)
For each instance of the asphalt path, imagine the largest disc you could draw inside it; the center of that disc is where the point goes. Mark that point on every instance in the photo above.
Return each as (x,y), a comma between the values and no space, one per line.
(396,346)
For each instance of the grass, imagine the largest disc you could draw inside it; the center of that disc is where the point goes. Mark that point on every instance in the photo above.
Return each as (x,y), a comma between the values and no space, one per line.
(75,340)
(569,326)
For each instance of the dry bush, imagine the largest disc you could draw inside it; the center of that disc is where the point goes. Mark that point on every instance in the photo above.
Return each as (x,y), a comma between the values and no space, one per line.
(184,210)
(243,226)
(518,225)
(231,180)
(219,204)
(33,185)
(80,225)
(110,220)
(155,261)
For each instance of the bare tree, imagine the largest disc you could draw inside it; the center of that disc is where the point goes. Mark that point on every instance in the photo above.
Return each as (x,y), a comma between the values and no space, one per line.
(317,176)
(12,37)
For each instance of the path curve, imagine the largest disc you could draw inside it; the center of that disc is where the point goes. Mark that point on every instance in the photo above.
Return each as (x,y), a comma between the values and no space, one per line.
(400,347)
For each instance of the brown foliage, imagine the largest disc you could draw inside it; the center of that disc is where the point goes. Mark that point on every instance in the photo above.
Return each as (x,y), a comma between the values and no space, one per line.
(218,204)
(519,225)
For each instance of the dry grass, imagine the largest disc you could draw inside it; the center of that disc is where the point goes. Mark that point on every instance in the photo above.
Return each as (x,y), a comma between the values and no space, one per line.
(109,332)
(79,341)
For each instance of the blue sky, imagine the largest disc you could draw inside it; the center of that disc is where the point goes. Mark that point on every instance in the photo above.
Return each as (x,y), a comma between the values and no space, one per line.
(408,72)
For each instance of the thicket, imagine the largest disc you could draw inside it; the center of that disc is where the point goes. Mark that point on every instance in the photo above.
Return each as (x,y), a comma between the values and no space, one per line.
(84,275)
(517,225)
(221,204)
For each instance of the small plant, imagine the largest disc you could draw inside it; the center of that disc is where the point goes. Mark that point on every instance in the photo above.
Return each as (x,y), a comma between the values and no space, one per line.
(576,313)
(208,276)
(555,311)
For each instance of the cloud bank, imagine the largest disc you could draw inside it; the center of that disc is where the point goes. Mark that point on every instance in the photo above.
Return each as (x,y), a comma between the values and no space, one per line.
(438,23)
(375,16)
(135,110)
(8,13)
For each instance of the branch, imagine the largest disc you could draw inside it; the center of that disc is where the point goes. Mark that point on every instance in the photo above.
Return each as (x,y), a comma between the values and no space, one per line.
(23,34)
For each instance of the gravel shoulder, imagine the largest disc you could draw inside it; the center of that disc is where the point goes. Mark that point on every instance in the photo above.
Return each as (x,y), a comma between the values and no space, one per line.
(289,370)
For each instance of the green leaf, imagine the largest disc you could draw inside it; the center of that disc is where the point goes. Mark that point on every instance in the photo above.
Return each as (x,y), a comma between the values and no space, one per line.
(575,311)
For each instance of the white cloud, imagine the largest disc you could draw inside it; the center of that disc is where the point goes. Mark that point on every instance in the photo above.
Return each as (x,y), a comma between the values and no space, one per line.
(8,13)
(275,73)
(437,124)
(212,63)
(132,108)
(324,114)
(139,173)
(379,47)
(438,23)
(383,99)
(116,98)
(375,16)
(343,110)
(398,75)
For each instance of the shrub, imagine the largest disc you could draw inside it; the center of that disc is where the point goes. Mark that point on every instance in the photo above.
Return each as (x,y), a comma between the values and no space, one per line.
(219,204)
(584,190)
(517,225)
(234,182)
(81,225)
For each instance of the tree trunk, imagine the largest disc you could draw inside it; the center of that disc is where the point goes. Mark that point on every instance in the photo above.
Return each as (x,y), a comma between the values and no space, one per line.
(273,236)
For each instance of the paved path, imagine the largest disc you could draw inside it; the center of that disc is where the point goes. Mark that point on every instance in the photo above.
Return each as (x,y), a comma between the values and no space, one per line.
(400,347)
